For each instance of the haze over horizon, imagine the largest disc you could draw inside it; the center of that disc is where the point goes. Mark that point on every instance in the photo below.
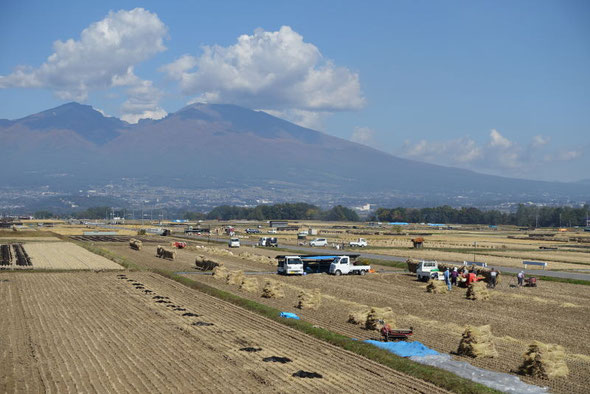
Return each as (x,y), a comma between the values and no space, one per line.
(498,88)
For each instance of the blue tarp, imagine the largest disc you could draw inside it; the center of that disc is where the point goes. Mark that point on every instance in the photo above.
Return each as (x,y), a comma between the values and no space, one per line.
(289,315)
(404,349)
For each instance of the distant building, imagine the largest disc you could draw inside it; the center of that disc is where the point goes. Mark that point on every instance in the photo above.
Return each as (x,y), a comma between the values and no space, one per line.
(279,223)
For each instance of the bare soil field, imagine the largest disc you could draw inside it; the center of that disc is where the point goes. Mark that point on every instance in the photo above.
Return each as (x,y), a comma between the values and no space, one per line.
(66,256)
(551,313)
(140,332)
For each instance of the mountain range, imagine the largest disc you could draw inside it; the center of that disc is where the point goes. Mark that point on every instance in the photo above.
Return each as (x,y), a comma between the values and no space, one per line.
(218,146)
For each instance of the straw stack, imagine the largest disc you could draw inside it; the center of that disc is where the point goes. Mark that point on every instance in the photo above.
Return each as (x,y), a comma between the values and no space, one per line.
(375,315)
(220,273)
(204,264)
(544,361)
(309,299)
(273,289)
(436,287)
(249,285)
(235,278)
(478,291)
(358,314)
(477,342)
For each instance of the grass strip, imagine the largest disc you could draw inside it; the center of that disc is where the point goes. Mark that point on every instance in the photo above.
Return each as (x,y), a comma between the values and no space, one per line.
(438,377)
(565,280)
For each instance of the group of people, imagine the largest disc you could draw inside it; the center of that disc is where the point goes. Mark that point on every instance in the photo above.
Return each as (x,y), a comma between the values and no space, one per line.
(470,276)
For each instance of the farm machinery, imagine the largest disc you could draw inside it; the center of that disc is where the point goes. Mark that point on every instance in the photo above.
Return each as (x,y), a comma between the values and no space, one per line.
(179,245)
(388,333)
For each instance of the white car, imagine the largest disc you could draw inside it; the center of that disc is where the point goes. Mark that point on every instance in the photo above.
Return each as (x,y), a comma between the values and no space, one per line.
(318,242)
(234,243)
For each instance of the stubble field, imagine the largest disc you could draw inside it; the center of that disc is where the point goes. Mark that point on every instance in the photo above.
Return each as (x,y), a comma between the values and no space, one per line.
(140,332)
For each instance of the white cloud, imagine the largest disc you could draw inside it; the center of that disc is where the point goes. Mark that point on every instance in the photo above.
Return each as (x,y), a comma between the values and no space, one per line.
(310,119)
(271,70)
(540,140)
(102,58)
(456,152)
(499,155)
(363,135)
(498,140)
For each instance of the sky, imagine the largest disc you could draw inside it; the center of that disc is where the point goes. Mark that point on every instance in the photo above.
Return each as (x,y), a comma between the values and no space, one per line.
(498,87)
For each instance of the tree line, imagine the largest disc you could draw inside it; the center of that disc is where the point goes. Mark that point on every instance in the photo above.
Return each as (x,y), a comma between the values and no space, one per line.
(525,215)
(285,211)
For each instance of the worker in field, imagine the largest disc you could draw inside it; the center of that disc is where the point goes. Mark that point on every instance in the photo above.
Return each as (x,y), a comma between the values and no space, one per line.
(520,277)
(454,276)
(493,278)
(447,276)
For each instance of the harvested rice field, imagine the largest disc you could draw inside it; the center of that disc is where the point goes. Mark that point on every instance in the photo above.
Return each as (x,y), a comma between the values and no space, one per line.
(66,256)
(553,313)
(139,332)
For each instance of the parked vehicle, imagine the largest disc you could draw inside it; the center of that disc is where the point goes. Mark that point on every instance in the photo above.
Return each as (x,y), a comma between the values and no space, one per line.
(234,243)
(318,242)
(252,231)
(290,265)
(268,242)
(343,265)
(360,243)
(428,270)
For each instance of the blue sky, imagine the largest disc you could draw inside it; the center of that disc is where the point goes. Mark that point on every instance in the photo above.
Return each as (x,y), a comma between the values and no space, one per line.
(500,87)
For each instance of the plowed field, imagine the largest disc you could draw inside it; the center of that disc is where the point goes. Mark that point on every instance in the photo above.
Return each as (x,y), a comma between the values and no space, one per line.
(139,332)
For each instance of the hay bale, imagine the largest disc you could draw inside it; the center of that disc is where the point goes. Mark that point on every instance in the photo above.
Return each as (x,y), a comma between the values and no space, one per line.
(477,342)
(135,244)
(204,264)
(437,287)
(167,254)
(478,291)
(376,315)
(358,315)
(220,273)
(273,289)
(235,278)
(249,285)
(412,265)
(544,361)
(309,300)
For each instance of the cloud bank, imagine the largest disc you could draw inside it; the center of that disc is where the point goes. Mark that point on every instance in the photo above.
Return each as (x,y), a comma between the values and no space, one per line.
(499,155)
(104,57)
(269,70)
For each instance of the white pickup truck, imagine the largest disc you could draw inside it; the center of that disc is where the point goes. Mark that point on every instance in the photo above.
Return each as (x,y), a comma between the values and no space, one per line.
(428,270)
(360,243)
(342,265)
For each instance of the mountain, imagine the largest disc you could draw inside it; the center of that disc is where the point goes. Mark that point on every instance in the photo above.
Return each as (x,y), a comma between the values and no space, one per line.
(87,122)
(223,147)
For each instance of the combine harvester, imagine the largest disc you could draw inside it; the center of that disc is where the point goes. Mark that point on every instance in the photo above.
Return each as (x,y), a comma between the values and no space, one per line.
(335,264)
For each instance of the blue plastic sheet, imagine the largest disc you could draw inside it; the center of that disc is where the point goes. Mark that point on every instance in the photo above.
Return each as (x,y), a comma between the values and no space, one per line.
(289,315)
(404,349)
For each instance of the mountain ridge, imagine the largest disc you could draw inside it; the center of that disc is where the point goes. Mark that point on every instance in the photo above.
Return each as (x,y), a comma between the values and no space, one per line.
(216,145)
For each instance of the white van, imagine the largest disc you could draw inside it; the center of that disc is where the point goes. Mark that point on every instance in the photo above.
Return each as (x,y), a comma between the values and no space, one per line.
(318,242)
(234,243)
(290,265)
